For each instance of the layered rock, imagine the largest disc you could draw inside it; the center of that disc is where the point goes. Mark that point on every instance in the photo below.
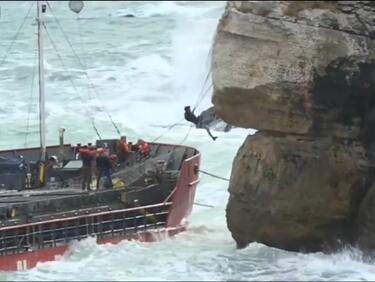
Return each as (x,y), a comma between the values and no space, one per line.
(303,74)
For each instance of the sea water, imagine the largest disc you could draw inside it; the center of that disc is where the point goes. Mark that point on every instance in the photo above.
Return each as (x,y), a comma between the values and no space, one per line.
(138,64)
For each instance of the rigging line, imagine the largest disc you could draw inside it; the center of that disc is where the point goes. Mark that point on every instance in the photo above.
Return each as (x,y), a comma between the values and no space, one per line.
(202,90)
(205,94)
(85,72)
(61,60)
(31,95)
(84,67)
(210,56)
(96,130)
(16,36)
(186,136)
(204,205)
(81,42)
(210,52)
(213,175)
(70,79)
(168,128)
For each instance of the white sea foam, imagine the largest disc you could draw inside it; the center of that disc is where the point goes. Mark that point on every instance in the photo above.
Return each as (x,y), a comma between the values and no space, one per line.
(145,70)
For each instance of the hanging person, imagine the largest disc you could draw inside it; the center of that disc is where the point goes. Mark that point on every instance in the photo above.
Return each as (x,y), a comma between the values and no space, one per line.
(197,120)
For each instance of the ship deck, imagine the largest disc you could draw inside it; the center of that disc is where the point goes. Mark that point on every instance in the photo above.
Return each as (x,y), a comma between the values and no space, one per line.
(10,197)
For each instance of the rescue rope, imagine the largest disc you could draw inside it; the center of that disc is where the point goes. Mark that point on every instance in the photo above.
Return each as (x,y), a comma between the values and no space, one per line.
(203,93)
(186,136)
(213,175)
(168,128)
(204,205)
(16,36)
(85,72)
(71,80)
(201,96)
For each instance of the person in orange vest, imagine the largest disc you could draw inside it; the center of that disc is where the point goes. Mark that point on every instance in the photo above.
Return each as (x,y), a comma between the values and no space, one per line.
(122,149)
(86,170)
(143,148)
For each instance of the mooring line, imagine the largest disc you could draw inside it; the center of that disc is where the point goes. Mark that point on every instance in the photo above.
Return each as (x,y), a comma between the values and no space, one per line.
(213,175)
(204,205)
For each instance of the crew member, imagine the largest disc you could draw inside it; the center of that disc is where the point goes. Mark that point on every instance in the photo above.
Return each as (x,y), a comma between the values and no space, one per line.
(104,166)
(87,159)
(76,151)
(197,120)
(122,149)
(143,148)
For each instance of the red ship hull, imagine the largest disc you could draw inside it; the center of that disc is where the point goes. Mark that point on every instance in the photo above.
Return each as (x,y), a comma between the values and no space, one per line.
(181,199)
(24,261)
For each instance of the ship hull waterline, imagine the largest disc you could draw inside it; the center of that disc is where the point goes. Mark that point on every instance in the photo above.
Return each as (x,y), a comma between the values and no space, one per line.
(25,261)
(182,199)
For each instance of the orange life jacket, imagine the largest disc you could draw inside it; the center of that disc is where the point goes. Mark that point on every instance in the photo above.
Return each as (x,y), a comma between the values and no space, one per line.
(84,151)
(101,151)
(144,148)
(124,147)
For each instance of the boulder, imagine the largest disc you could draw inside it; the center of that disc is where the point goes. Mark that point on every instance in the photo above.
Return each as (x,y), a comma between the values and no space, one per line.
(302,74)
(297,193)
(274,74)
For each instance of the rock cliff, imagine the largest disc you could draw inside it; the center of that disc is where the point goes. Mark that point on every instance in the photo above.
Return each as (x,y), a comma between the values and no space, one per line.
(303,74)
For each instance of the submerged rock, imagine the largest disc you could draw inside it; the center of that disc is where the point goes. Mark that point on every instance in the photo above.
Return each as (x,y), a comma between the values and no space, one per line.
(303,74)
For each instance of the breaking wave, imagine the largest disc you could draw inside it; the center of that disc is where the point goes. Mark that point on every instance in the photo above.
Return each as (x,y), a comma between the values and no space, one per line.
(145,69)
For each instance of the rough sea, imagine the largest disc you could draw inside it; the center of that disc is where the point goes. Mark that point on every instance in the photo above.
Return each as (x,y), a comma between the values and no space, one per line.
(139,64)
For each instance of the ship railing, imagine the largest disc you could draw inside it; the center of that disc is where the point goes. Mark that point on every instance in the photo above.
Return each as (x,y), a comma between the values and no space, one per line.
(103,225)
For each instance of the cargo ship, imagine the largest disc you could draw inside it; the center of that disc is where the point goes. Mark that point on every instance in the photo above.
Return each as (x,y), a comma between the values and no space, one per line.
(43,208)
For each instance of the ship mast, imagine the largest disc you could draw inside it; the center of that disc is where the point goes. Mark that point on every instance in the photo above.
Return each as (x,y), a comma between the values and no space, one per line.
(41,6)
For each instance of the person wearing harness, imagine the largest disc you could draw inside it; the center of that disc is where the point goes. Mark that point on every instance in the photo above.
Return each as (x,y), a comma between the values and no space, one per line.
(197,120)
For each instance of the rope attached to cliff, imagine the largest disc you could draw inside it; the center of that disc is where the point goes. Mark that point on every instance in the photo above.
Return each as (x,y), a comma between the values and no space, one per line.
(213,175)
(202,94)
(204,205)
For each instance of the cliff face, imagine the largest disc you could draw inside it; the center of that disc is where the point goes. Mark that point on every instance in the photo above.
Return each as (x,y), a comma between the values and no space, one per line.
(303,74)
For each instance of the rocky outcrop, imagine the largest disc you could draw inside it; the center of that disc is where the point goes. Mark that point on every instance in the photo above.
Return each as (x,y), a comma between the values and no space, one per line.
(303,74)
(297,192)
